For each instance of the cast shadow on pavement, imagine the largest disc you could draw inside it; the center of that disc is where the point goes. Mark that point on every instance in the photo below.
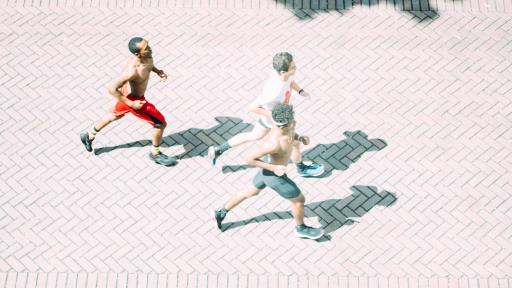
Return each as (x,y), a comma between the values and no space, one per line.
(333,213)
(334,156)
(420,10)
(195,141)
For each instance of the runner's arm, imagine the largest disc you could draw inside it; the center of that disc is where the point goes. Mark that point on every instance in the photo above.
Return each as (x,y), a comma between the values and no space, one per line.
(258,109)
(257,106)
(267,148)
(299,90)
(301,138)
(159,72)
(115,86)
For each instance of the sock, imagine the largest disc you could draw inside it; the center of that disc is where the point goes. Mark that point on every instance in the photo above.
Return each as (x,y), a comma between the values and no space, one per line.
(92,133)
(223,148)
(155,149)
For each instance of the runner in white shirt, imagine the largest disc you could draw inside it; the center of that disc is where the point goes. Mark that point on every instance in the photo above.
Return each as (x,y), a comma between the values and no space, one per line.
(269,98)
(277,89)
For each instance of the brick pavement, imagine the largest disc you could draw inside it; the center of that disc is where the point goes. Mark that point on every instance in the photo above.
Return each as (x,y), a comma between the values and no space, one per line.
(411,117)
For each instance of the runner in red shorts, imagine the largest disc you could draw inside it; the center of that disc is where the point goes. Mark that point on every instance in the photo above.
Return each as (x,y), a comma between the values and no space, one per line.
(129,91)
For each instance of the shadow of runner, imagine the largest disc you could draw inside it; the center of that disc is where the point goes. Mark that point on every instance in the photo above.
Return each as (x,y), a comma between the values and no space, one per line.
(332,213)
(334,156)
(342,154)
(195,141)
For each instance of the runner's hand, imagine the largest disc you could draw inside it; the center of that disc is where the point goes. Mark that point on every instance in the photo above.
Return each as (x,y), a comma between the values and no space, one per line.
(279,170)
(304,140)
(137,104)
(162,76)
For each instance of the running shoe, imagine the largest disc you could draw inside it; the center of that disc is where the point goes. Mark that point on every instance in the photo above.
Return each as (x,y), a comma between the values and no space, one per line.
(304,231)
(220,214)
(213,154)
(310,170)
(163,159)
(85,140)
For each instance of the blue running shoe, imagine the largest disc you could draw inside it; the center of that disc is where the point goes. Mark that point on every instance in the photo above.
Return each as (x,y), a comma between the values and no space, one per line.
(304,231)
(310,170)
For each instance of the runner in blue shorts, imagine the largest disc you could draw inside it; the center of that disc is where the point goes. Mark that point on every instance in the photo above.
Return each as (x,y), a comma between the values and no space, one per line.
(279,145)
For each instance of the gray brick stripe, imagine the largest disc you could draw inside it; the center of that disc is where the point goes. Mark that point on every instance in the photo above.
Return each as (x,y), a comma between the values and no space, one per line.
(235,280)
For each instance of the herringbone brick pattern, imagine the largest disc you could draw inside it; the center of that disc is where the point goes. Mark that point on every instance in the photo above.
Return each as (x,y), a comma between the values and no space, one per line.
(412,120)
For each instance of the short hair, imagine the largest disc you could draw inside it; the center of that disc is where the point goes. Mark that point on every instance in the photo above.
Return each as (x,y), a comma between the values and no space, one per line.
(282,114)
(133,45)
(281,61)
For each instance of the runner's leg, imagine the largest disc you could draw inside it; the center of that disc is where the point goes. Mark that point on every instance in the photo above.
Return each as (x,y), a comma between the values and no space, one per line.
(242,196)
(221,213)
(156,140)
(298,208)
(257,133)
(102,123)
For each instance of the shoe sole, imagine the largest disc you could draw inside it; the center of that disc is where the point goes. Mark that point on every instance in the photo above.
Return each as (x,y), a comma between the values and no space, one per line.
(211,155)
(84,141)
(166,164)
(309,237)
(163,163)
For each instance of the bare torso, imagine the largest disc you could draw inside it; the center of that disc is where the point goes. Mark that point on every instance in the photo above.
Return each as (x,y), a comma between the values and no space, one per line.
(283,142)
(139,71)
